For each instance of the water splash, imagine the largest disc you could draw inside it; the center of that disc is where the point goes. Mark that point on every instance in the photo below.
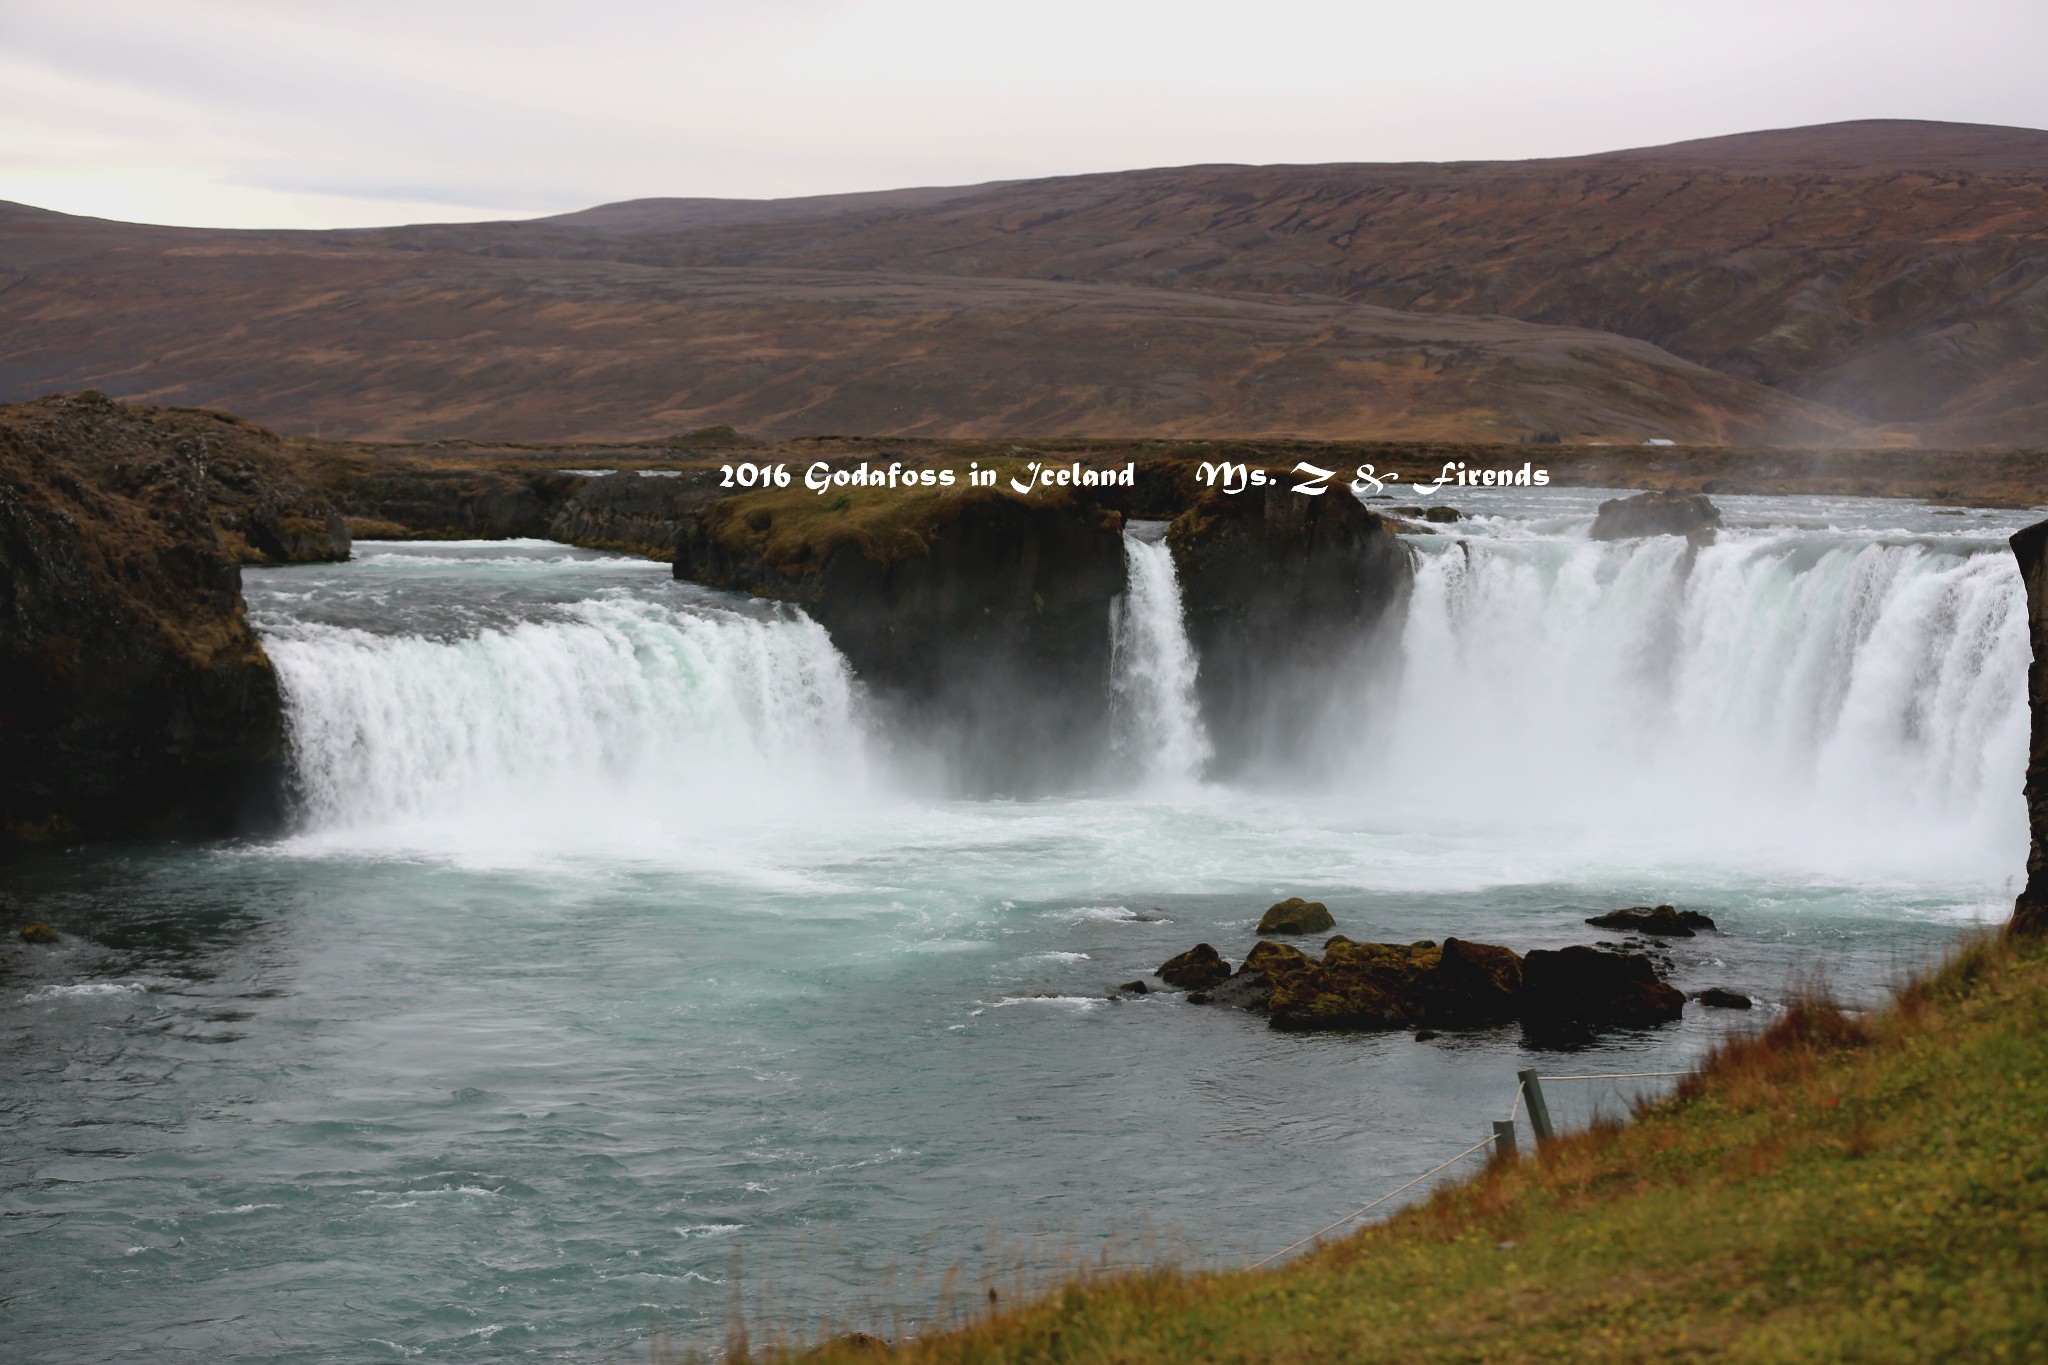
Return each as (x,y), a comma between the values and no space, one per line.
(606,706)
(1158,718)
(1831,703)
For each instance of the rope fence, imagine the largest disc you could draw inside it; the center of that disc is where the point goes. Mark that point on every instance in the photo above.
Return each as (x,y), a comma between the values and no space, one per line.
(1528,1084)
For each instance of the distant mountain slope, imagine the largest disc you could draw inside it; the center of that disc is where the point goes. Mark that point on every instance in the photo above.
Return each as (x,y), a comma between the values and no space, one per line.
(1892,275)
(1896,270)
(385,344)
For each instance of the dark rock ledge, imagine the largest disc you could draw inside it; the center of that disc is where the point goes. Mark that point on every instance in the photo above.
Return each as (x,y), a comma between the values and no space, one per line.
(1457,984)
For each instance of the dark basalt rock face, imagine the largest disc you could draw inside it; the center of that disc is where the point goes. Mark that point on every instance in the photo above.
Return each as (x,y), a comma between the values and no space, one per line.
(1589,986)
(413,500)
(1663,921)
(1657,514)
(978,620)
(2030,911)
(632,512)
(1281,592)
(1296,916)
(134,698)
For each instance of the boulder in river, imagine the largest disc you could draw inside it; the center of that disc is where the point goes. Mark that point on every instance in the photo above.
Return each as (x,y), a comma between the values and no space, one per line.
(1715,997)
(38,932)
(1664,921)
(1590,986)
(1199,967)
(1296,916)
(1657,514)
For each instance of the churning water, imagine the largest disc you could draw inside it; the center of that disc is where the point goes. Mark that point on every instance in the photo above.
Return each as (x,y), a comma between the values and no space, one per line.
(612,976)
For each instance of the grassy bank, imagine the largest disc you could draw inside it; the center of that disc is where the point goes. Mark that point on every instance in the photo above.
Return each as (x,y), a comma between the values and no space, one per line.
(1839,1188)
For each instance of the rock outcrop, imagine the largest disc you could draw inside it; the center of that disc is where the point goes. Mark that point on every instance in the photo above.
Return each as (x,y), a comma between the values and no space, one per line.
(1595,988)
(1661,921)
(1425,985)
(1692,515)
(633,512)
(134,698)
(2030,911)
(1196,969)
(1296,916)
(1721,998)
(978,620)
(1281,592)
(387,498)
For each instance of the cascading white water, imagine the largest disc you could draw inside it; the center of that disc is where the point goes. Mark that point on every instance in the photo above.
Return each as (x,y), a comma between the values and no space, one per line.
(1845,705)
(1158,719)
(607,702)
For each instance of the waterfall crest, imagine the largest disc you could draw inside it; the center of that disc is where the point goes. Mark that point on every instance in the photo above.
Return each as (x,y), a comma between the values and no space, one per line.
(1159,730)
(611,696)
(1836,700)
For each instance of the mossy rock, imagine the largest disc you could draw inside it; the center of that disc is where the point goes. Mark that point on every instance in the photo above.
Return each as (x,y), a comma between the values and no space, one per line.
(1296,916)
(1196,969)
(39,933)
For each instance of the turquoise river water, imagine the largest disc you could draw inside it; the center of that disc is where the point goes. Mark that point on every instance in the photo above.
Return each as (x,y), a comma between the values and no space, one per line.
(612,979)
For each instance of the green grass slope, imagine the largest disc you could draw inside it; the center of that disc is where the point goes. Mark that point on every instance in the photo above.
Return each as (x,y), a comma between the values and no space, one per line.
(1839,1188)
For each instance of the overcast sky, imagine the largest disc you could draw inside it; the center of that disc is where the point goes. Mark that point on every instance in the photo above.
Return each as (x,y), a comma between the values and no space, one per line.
(315,113)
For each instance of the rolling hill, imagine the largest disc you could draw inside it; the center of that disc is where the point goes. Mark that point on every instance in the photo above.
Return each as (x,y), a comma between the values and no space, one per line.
(1854,283)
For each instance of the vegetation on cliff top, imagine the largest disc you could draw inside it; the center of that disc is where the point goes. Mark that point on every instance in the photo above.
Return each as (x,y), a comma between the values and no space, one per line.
(795,531)
(1839,1187)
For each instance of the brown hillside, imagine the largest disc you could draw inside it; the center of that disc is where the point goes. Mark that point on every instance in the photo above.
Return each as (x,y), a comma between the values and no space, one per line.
(389,345)
(1892,274)
(1896,270)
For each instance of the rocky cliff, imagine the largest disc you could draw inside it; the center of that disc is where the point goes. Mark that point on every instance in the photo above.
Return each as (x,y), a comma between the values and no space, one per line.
(1282,593)
(978,620)
(634,512)
(2030,547)
(133,696)
(388,498)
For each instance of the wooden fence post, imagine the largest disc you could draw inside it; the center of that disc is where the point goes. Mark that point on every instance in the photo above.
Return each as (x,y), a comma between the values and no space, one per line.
(1539,1112)
(1503,1138)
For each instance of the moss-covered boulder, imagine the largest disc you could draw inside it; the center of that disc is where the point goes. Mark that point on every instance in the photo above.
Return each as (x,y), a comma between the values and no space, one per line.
(1296,916)
(1200,966)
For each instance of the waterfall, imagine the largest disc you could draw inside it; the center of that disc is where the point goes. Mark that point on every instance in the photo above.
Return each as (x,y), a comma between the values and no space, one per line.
(1158,719)
(608,709)
(1841,703)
